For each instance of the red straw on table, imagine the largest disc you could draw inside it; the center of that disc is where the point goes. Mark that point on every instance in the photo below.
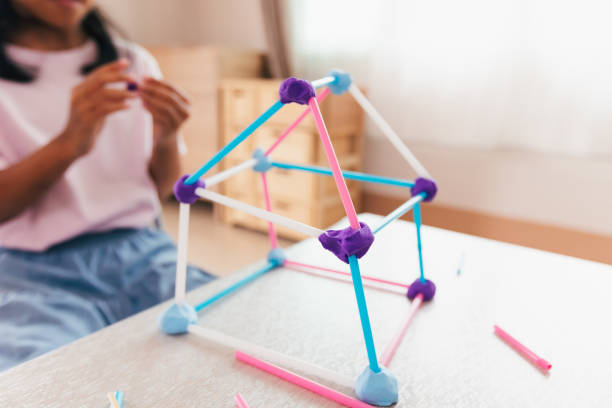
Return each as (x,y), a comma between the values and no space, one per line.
(523,350)
(305,383)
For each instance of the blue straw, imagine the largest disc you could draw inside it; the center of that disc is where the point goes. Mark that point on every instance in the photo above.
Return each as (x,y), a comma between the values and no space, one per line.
(237,140)
(235,286)
(352,175)
(363,313)
(399,211)
(417,222)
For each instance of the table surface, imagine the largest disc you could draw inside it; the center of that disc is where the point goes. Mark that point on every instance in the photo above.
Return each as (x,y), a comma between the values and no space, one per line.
(449,357)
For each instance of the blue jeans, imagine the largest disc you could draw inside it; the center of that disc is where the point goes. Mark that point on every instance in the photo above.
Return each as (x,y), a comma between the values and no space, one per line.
(50,298)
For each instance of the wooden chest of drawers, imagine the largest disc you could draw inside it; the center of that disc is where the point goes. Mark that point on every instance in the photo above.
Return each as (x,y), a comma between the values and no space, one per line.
(305,197)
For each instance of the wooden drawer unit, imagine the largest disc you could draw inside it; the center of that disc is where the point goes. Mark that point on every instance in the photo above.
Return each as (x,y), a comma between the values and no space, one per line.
(306,197)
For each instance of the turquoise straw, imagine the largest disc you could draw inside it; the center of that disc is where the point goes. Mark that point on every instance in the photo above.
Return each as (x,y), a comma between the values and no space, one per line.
(236,286)
(237,140)
(417,221)
(352,175)
(363,313)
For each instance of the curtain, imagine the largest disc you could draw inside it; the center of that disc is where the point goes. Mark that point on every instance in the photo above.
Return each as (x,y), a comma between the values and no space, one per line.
(487,74)
(273,18)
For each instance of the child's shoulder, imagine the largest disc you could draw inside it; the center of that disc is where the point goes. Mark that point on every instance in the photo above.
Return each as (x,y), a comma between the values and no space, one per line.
(142,63)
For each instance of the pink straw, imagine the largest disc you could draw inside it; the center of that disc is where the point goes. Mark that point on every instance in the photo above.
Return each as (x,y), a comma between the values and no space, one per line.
(334,165)
(515,344)
(319,274)
(305,383)
(240,401)
(389,352)
(271,230)
(283,135)
(370,278)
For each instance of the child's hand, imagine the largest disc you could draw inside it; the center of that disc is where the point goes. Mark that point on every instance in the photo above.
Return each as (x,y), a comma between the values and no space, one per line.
(168,105)
(92,101)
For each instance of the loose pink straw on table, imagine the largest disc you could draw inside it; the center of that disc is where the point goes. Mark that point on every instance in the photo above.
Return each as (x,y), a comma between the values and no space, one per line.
(349,208)
(365,277)
(300,118)
(240,401)
(318,274)
(302,382)
(523,350)
(271,230)
(389,352)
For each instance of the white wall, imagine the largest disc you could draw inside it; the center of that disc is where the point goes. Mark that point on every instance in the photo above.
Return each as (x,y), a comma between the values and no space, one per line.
(183,22)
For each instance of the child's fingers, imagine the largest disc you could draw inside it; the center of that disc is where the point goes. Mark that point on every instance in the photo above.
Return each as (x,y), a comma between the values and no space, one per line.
(105,109)
(165,108)
(152,84)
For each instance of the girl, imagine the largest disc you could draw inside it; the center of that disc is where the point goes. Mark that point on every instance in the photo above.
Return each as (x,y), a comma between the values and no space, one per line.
(88,144)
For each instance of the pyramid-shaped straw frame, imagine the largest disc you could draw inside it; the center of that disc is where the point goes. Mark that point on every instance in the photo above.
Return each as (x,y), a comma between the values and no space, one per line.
(193,187)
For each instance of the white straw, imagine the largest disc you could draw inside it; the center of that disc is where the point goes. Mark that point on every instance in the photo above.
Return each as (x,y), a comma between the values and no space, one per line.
(225,174)
(181,261)
(398,212)
(388,131)
(317,83)
(258,212)
(274,357)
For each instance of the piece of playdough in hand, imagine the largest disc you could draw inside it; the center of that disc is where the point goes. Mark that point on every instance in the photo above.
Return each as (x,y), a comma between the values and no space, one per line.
(346,242)
(263,162)
(424,185)
(277,256)
(185,193)
(296,90)
(342,81)
(427,289)
(132,86)
(377,388)
(177,318)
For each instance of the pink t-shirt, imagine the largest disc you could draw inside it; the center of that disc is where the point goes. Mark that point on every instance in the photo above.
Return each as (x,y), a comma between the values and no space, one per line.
(108,188)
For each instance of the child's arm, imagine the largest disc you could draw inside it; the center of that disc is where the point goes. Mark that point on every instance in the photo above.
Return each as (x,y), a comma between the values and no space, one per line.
(170,109)
(24,183)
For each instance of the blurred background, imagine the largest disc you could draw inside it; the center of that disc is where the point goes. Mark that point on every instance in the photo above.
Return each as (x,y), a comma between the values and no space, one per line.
(507,103)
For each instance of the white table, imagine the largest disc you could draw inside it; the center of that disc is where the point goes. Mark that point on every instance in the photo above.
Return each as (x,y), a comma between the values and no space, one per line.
(449,358)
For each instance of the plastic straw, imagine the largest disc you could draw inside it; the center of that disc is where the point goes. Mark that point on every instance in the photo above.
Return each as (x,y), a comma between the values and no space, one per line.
(388,131)
(258,212)
(240,401)
(275,357)
(389,352)
(351,175)
(181,260)
(112,400)
(300,118)
(333,163)
(522,349)
(346,280)
(271,230)
(225,174)
(119,398)
(302,382)
(399,211)
(234,143)
(322,82)
(366,277)
(251,277)
(417,221)
(363,313)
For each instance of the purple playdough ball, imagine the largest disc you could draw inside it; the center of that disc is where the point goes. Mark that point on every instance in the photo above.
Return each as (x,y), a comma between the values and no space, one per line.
(424,185)
(185,193)
(132,86)
(346,242)
(427,289)
(296,90)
